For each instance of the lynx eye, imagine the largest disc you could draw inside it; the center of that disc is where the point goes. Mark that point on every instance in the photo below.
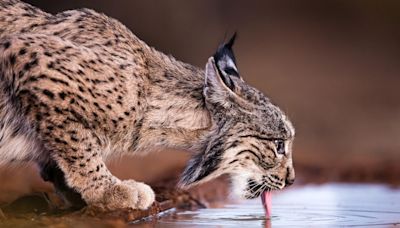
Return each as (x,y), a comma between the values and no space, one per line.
(280,146)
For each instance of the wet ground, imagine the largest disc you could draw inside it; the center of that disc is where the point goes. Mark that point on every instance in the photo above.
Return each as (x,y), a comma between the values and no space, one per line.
(329,205)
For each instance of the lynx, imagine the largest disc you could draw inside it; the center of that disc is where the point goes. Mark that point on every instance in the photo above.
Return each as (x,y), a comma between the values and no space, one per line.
(77,88)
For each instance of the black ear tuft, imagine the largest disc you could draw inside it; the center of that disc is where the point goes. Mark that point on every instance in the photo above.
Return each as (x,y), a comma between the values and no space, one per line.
(226,63)
(231,41)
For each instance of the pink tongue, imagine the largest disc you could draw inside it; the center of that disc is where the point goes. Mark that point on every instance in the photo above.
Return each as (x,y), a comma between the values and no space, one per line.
(266,198)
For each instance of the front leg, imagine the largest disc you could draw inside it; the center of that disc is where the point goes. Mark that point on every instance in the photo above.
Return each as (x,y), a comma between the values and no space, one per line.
(78,155)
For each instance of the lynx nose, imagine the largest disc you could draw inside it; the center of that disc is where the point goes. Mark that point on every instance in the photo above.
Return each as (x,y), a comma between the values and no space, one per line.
(289,181)
(290,177)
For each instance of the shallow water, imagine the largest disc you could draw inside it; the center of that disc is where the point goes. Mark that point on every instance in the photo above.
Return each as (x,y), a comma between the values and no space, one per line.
(330,205)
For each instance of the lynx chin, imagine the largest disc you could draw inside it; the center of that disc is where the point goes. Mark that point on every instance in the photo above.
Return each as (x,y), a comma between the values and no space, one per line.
(78,87)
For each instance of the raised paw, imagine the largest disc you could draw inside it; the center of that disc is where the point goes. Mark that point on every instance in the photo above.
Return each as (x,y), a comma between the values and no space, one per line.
(129,194)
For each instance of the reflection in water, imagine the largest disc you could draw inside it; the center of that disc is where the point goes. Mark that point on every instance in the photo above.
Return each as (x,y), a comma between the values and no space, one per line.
(327,205)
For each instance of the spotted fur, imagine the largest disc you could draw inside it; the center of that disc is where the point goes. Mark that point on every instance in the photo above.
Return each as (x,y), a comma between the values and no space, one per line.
(78,87)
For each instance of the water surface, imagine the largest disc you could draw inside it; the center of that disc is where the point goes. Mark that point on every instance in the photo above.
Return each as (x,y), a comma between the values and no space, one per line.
(329,205)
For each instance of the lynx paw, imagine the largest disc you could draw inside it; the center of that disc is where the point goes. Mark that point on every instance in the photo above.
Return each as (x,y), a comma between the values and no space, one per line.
(129,194)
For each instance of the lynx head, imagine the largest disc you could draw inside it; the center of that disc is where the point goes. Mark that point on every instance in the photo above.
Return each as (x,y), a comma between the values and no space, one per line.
(252,139)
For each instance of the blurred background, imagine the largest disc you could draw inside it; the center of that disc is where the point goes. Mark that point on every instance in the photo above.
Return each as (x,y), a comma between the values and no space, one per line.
(333,66)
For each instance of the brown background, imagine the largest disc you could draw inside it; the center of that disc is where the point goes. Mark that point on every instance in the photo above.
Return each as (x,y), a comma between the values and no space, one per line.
(333,66)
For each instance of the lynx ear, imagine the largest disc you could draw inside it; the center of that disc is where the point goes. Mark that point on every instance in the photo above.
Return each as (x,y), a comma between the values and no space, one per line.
(220,72)
(226,63)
